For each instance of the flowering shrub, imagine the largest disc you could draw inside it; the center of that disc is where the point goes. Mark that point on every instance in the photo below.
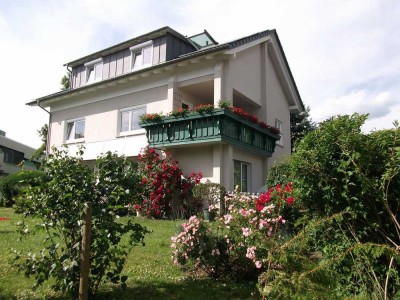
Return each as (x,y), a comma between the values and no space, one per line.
(239,243)
(151,117)
(204,108)
(180,112)
(162,184)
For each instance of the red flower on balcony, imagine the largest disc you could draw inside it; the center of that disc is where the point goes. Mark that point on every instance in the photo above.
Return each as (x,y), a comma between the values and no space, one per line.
(180,112)
(204,108)
(253,119)
(151,117)
(240,112)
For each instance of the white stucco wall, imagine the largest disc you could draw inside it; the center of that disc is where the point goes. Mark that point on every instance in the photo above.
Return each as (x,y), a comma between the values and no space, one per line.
(245,73)
(277,107)
(196,159)
(102,122)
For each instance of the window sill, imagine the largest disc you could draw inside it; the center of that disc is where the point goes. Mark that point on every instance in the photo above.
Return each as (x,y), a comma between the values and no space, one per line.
(279,144)
(131,133)
(76,141)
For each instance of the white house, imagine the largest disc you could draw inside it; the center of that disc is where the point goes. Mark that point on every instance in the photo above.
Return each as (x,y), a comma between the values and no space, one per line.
(162,71)
(14,155)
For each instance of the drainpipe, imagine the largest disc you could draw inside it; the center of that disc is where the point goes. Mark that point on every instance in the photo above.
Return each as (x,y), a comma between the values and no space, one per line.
(48,130)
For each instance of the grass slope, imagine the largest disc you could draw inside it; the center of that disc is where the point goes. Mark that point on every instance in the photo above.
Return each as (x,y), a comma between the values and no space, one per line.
(150,270)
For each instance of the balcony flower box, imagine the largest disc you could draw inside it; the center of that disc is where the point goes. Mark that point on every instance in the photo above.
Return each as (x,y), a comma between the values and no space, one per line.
(220,125)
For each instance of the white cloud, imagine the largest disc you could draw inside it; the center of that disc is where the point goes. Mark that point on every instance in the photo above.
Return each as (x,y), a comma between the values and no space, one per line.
(377,106)
(343,54)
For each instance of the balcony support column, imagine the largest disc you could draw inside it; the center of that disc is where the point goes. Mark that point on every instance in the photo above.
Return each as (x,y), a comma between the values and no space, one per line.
(217,163)
(228,168)
(172,89)
(218,88)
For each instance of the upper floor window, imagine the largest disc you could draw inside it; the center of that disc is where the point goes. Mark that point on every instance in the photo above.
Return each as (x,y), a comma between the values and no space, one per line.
(279,125)
(142,55)
(130,118)
(75,130)
(94,70)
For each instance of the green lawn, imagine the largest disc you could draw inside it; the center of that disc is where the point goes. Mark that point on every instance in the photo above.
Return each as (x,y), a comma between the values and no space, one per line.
(150,270)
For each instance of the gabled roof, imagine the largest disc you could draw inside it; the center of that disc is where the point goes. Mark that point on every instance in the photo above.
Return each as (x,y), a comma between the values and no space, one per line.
(162,31)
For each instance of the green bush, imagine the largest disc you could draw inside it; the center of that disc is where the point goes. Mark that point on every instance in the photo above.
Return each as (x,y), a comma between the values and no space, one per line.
(211,195)
(337,169)
(13,184)
(57,205)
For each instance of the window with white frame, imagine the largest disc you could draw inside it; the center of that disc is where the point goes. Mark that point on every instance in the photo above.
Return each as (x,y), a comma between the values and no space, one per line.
(130,117)
(94,70)
(279,125)
(241,175)
(75,130)
(142,55)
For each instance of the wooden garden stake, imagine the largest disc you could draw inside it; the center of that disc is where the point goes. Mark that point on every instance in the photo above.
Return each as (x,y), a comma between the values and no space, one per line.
(85,253)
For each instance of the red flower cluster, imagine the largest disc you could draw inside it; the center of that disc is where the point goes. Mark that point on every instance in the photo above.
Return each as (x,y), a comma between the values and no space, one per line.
(283,193)
(263,125)
(204,108)
(180,112)
(162,180)
(151,117)
(240,112)
(252,118)
(4,218)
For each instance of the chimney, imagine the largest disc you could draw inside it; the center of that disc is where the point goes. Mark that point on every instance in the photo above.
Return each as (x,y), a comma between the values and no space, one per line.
(2,133)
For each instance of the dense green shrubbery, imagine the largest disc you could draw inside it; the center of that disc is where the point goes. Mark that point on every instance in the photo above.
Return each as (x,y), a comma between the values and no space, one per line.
(13,184)
(339,170)
(58,207)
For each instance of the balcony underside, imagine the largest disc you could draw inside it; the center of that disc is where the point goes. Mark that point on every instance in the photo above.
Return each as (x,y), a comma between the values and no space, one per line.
(219,126)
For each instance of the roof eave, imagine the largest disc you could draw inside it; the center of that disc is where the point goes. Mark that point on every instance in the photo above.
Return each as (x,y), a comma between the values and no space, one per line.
(275,34)
(170,62)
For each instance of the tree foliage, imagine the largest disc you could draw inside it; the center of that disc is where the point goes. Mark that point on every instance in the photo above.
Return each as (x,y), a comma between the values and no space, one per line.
(300,125)
(65,82)
(41,151)
(337,169)
(58,204)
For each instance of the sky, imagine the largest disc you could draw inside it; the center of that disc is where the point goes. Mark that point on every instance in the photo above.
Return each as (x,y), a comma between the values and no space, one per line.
(344,54)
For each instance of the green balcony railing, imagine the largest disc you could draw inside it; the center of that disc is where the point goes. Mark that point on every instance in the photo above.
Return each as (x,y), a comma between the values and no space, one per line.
(221,125)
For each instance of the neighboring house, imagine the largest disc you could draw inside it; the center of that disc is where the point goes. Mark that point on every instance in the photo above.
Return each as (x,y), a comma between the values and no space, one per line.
(162,71)
(14,156)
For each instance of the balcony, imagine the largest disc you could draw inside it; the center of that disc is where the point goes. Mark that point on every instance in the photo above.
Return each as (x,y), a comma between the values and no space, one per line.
(221,125)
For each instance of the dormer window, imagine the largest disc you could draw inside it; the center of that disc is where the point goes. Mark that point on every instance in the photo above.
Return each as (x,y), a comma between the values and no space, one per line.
(142,55)
(94,70)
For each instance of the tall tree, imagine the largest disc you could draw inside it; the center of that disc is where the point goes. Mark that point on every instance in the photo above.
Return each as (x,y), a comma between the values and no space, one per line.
(42,149)
(300,125)
(65,82)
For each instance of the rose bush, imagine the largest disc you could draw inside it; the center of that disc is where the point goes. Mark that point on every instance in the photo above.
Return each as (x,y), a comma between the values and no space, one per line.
(238,244)
(164,192)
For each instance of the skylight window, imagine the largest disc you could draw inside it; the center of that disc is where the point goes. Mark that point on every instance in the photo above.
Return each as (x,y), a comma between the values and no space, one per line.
(203,40)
